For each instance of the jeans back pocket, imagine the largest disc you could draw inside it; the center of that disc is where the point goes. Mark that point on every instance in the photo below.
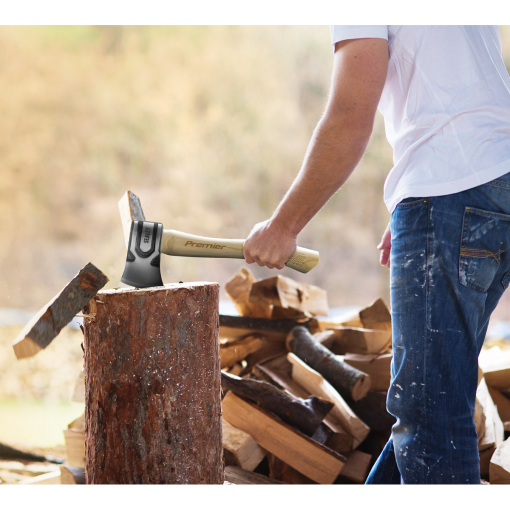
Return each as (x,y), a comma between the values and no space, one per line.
(485,236)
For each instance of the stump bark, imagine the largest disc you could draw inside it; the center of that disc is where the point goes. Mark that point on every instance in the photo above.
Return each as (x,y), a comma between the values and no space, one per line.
(153,390)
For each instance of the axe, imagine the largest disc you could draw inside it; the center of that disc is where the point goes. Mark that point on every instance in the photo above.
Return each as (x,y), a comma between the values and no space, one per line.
(146,240)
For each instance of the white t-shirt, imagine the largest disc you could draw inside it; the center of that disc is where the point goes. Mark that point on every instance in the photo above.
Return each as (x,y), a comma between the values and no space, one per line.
(446,107)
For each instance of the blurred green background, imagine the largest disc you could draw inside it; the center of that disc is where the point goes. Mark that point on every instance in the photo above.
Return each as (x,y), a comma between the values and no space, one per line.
(208,125)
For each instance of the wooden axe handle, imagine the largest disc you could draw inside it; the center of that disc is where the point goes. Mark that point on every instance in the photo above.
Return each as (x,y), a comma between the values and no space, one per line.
(189,245)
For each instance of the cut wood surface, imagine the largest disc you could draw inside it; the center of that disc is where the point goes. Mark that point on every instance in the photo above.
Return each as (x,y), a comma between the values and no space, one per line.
(501,402)
(316,384)
(78,423)
(267,352)
(130,210)
(289,313)
(240,449)
(238,290)
(347,380)
(72,475)
(287,293)
(499,471)
(238,476)
(153,390)
(359,340)
(299,451)
(356,467)
(377,366)
(56,314)
(305,415)
(237,349)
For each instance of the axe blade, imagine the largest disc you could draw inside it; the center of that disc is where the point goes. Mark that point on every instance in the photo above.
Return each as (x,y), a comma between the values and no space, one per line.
(142,268)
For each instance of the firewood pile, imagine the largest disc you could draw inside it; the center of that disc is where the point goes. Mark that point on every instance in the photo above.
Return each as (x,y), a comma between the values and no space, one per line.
(305,397)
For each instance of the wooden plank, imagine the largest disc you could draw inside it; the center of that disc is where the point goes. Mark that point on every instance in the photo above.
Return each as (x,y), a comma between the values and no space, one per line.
(246,453)
(499,471)
(287,293)
(237,349)
(238,290)
(316,384)
(238,476)
(372,411)
(377,366)
(347,380)
(58,312)
(360,340)
(299,451)
(501,402)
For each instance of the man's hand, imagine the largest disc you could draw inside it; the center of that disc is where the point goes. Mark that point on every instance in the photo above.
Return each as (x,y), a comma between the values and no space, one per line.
(336,147)
(385,247)
(268,245)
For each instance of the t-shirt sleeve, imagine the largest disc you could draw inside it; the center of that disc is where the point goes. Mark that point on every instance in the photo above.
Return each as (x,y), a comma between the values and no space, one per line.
(344,32)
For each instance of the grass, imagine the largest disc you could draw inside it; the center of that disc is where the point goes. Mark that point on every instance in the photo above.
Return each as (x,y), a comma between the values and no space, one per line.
(36,423)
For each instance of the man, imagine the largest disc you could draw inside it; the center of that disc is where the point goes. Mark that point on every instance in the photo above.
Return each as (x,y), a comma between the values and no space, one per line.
(445,95)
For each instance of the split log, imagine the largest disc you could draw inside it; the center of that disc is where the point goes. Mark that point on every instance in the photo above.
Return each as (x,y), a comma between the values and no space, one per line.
(347,380)
(338,440)
(153,391)
(240,449)
(57,314)
(316,384)
(266,353)
(10,453)
(238,476)
(305,415)
(281,471)
(499,471)
(377,366)
(238,290)
(289,313)
(359,340)
(52,478)
(299,451)
(79,389)
(71,475)
(287,293)
(237,349)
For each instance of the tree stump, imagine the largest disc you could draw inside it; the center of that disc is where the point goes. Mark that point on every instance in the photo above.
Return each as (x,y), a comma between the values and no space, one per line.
(153,390)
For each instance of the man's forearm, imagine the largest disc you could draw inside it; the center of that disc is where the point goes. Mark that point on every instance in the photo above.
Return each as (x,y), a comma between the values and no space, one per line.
(336,147)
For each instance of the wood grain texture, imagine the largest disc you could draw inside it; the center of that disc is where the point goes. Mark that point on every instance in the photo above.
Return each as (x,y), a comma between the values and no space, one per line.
(299,451)
(57,314)
(304,414)
(153,394)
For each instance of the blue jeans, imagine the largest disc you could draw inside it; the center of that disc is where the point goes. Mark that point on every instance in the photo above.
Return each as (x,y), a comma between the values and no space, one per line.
(450,264)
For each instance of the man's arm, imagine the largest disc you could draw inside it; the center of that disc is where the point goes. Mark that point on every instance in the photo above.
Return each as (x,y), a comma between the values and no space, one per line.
(337,145)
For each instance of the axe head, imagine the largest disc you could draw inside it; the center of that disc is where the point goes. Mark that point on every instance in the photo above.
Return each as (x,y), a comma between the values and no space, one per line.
(143,257)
